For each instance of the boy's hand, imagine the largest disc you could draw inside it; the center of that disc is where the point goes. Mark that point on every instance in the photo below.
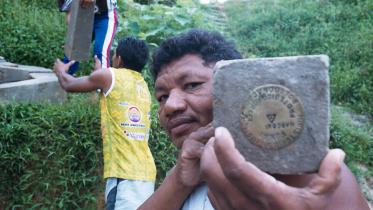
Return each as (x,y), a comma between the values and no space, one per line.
(97,64)
(60,67)
(86,3)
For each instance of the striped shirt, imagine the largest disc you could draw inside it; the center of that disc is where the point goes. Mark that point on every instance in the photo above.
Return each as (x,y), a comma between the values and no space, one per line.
(101,5)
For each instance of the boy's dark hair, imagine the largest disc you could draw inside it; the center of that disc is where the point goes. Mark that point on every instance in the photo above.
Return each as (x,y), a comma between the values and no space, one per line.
(133,52)
(211,46)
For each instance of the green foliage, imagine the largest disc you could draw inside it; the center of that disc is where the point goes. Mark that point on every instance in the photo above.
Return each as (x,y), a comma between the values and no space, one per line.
(31,32)
(43,4)
(356,140)
(156,22)
(341,29)
(50,155)
(165,2)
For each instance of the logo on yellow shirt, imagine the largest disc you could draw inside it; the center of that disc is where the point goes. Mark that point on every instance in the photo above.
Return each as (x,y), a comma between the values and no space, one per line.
(134,114)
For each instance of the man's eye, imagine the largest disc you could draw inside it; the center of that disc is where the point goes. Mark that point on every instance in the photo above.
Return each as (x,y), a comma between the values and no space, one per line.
(192,85)
(162,98)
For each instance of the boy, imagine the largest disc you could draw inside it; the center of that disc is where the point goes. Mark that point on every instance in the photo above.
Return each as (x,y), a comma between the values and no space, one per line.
(129,167)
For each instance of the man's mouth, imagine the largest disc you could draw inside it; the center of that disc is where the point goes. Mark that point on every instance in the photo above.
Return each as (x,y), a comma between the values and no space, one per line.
(179,126)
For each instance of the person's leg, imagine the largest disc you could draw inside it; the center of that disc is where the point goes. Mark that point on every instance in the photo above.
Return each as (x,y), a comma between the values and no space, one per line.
(105,26)
(130,194)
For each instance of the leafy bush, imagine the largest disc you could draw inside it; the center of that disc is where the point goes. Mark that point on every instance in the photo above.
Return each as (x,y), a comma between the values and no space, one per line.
(341,29)
(50,155)
(42,4)
(356,140)
(156,22)
(29,34)
(165,2)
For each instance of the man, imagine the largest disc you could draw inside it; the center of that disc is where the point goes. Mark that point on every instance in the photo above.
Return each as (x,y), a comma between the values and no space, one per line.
(210,173)
(104,28)
(129,167)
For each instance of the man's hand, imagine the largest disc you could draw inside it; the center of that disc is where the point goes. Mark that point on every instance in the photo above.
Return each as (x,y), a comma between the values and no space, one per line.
(237,184)
(60,67)
(86,3)
(188,163)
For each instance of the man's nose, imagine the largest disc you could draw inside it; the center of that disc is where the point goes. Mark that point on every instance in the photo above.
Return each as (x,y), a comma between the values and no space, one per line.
(175,103)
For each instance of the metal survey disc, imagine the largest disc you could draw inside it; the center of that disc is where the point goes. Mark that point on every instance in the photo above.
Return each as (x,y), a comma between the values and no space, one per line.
(272,117)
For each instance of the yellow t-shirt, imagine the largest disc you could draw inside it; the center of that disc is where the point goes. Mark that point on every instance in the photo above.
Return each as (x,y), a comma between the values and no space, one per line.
(125,126)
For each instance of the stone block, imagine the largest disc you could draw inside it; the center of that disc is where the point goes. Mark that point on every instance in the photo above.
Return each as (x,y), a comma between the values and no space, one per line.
(21,83)
(9,74)
(277,109)
(79,32)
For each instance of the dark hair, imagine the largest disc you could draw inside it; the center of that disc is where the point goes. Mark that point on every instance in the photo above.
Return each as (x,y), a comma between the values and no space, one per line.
(211,46)
(133,52)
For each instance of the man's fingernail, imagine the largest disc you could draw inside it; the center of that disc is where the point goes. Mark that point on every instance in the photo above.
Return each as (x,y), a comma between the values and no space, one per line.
(219,132)
(223,134)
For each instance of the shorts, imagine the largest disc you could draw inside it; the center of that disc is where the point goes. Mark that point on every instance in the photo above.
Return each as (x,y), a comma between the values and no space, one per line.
(126,194)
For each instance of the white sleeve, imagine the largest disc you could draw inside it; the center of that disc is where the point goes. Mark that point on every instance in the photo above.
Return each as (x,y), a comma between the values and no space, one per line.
(112,82)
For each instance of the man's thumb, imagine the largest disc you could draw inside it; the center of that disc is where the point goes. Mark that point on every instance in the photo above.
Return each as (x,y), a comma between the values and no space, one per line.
(97,63)
(329,175)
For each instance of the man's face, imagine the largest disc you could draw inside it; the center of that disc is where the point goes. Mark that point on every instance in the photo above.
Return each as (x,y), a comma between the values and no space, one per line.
(184,91)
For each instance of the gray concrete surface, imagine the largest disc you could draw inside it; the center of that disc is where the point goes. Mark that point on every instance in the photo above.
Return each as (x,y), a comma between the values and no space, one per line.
(21,83)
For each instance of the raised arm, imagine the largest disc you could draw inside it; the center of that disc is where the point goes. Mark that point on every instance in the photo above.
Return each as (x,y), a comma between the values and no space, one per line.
(98,79)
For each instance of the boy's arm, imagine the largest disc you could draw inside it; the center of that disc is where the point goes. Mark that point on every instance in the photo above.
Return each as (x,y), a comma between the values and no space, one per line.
(98,79)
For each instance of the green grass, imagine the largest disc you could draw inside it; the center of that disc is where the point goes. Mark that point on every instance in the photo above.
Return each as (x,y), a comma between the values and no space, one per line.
(50,155)
(29,34)
(355,139)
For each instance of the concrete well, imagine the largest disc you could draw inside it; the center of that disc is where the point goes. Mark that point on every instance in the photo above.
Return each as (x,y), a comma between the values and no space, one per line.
(23,83)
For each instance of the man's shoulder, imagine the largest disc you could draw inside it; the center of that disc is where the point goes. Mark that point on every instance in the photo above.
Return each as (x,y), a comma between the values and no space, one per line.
(129,72)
